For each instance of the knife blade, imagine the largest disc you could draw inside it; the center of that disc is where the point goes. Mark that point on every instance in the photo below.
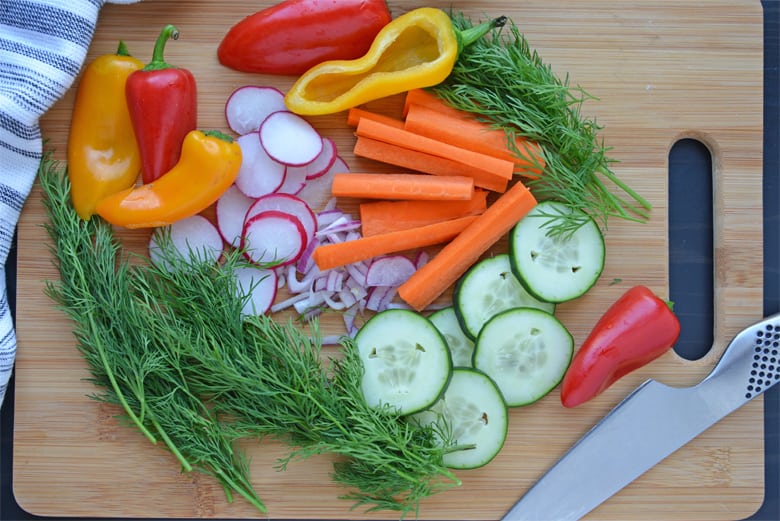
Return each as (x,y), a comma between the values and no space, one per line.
(651,423)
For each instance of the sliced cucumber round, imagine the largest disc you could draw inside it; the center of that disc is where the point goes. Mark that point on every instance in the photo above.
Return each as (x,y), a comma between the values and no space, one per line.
(405,359)
(471,416)
(526,352)
(560,267)
(461,346)
(487,289)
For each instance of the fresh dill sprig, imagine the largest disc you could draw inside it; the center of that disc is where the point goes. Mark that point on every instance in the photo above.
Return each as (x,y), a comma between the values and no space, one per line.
(272,379)
(167,342)
(504,82)
(113,326)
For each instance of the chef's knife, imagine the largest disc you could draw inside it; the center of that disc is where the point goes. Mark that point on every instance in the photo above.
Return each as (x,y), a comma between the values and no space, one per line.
(648,425)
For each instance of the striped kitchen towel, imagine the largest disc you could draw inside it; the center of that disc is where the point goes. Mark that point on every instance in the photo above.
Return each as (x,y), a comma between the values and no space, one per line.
(43,44)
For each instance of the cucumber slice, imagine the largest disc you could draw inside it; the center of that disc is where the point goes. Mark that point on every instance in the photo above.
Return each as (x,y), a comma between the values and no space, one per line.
(526,352)
(559,268)
(470,413)
(487,289)
(461,346)
(406,361)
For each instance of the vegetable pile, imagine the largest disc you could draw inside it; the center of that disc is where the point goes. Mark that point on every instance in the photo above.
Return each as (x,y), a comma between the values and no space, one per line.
(443,332)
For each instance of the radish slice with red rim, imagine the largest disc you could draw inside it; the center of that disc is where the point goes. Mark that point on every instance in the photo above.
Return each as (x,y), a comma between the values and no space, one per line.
(294,181)
(317,191)
(231,210)
(248,106)
(392,270)
(258,286)
(259,174)
(194,239)
(273,238)
(320,164)
(289,204)
(290,139)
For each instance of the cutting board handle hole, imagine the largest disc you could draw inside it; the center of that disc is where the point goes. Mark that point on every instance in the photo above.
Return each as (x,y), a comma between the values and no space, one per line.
(691,272)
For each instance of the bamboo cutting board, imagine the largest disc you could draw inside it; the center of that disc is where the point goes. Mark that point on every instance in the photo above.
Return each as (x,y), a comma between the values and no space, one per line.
(661,70)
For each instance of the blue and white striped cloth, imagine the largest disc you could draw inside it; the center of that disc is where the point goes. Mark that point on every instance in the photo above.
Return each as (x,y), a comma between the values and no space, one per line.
(43,44)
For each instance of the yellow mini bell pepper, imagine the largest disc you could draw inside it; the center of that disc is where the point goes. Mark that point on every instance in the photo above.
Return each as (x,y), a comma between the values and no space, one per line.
(418,49)
(208,165)
(103,155)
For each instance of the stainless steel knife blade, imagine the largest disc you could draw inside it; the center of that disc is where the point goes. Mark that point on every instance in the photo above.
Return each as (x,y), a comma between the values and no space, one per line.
(650,424)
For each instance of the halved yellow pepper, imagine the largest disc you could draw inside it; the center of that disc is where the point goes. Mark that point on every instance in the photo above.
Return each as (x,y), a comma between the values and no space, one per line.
(418,49)
(208,165)
(103,155)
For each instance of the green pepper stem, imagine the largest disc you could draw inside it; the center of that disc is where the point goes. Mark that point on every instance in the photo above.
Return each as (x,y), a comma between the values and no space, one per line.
(169,32)
(218,134)
(472,34)
(121,49)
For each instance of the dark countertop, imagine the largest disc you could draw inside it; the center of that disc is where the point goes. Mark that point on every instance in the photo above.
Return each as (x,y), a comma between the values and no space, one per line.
(685,155)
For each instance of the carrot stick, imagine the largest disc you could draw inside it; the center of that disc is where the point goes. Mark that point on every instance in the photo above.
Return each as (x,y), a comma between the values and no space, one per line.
(444,269)
(427,163)
(432,101)
(379,217)
(404,138)
(402,186)
(354,114)
(339,254)
(475,135)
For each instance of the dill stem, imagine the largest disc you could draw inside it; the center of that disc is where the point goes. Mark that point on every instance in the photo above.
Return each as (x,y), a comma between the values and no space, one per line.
(606,172)
(252,498)
(172,447)
(115,385)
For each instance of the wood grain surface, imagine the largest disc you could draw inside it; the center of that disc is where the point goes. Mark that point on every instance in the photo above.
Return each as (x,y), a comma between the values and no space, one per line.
(661,70)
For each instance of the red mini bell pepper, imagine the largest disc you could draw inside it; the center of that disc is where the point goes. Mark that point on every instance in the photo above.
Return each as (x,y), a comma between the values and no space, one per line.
(294,35)
(638,328)
(162,100)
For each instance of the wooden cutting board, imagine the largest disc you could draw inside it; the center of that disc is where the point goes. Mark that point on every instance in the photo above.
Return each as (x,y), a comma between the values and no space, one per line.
(662,70)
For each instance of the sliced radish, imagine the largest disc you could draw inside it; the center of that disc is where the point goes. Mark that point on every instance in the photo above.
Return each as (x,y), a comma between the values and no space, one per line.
(317,192)
(260,174)
(194,239)
(320,164)
(290,139)
(248,106)
(231,210)
(294,181)
(273,238)
(379,297)
(289,204)
(258,286)
(392,270)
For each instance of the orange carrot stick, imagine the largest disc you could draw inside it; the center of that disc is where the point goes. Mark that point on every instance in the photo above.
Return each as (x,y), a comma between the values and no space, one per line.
(427,163)
(379,217)
(432,101)
(444,269)
(339,254)
(354,114)
(475,135)
(403,186)
(404,138)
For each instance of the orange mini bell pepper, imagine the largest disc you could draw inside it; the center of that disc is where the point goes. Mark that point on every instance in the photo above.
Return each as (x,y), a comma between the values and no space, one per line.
(103,155)
(208,165)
